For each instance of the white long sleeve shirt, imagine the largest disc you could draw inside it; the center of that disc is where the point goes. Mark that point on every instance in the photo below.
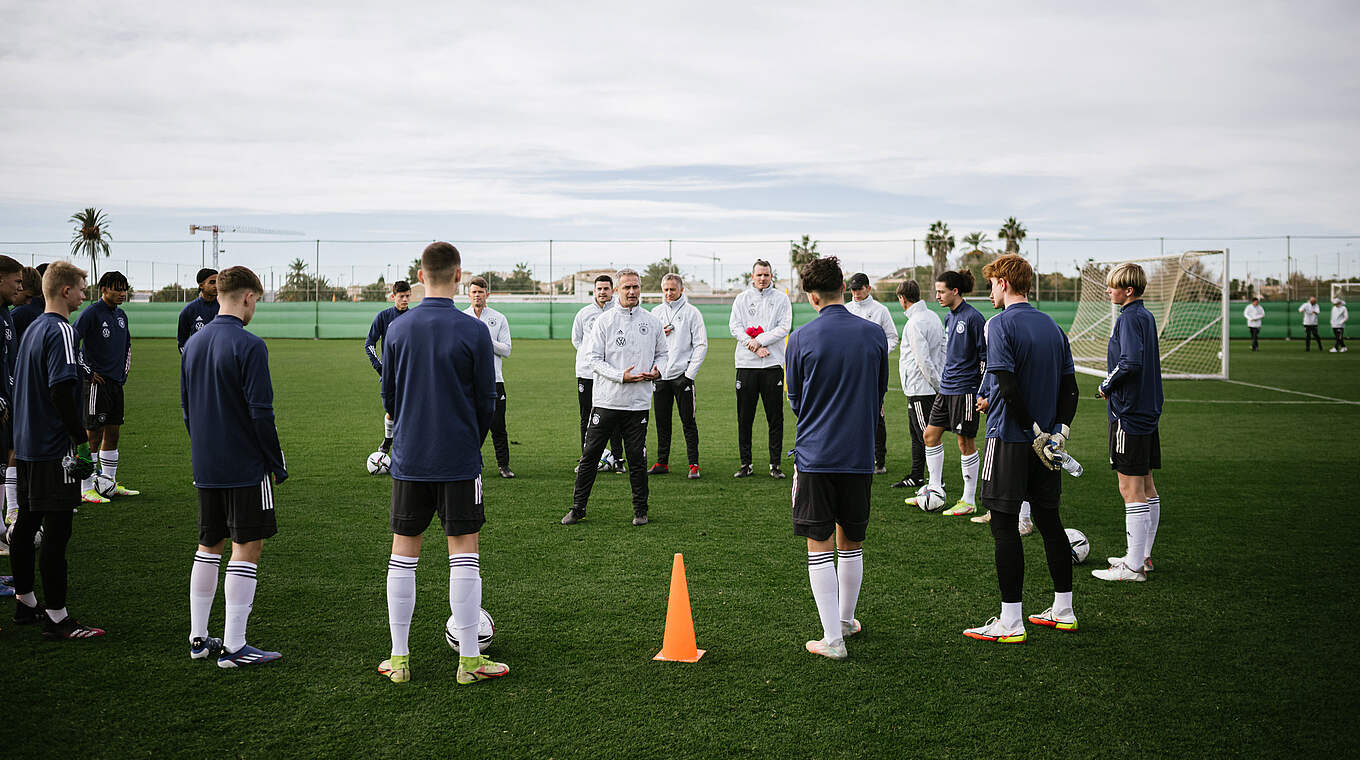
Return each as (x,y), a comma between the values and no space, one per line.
(687,344)
(768,309)
(1309,312)
(1254,314)
(878,314)
(580,329)
(922,357)
(500,335)
(621,338)
(1339,315)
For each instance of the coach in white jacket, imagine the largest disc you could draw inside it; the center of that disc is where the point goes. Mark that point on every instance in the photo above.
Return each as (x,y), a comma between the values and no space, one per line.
(1339,317)
(863,305)
(1310,309)
(686,347)
(919,366)
(499,326)
(761,318)
(585,376)
(1254,313)
(627,349)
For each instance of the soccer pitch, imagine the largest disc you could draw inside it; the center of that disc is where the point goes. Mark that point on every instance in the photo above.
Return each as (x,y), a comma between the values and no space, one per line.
(1241,643)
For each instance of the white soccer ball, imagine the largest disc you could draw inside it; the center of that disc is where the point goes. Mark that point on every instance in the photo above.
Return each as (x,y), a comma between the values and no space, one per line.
(379,463)
(486,628)
(1081,547)
(104,485)
(606,460)
(930,499)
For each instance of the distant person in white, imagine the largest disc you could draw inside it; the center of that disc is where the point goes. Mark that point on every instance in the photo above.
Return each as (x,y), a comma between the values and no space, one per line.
(686,347)
(1310,311)
(918,366)
(1254,314)
(499,326)
(761,318)
(585,376)
(864,306)
(1339,316)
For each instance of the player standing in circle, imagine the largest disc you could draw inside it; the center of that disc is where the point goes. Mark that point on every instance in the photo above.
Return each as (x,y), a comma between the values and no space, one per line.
(686,347)
(23,316)
(1339,317)
(228,402)
(53,455)
(761,318)
(627,348)
(585,377)
(1310,310)
(955,407)
(1254,313)
(1028,424)
(199,311)
(377,333)
(1133,389)
(106,359)
(863,305)
(919,365)
(439,386)
(11,285)
(499,327)
(837,376)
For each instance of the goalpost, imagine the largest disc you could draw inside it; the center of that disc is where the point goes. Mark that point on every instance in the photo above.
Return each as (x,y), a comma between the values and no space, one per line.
(1345,291)
(1187,293)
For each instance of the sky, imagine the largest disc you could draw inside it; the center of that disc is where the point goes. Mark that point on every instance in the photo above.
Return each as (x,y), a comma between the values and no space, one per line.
(697,121)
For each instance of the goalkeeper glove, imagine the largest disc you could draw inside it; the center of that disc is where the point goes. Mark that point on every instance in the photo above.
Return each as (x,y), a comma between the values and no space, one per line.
(78,463)
(1054,451)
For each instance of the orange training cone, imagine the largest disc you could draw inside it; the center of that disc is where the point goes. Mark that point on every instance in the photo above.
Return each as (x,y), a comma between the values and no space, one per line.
(679,644)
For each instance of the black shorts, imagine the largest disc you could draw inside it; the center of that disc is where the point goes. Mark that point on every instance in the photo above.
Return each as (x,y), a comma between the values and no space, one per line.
(102,404)
(458,504)
(956,413)
(243,514)
(1010,473)
(1132,454)
(823,500)
(45,487)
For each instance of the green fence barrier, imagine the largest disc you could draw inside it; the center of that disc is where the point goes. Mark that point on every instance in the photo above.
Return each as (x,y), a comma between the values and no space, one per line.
(531,320)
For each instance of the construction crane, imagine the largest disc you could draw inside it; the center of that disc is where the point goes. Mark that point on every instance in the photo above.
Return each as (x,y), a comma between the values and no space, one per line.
(217,229)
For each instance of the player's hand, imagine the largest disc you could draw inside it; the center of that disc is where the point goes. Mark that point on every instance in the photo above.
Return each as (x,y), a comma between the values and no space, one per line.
(763,352)
(655,374)
(1056,450)
(668,329)
(78,463)
(95,378)
(278,477)
(1100,392)
(753,346)
(1041,440)
(629,377)
(982,404)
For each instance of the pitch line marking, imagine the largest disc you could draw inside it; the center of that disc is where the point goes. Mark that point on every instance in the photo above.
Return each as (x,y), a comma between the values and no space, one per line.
(1286,390)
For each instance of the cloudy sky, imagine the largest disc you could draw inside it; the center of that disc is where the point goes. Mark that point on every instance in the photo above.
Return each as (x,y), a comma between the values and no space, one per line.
(715,121)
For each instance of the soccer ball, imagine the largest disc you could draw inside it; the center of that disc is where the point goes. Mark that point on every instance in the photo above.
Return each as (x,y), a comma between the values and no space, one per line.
(379,463)
(1081,548)
(930,499)
(606,460)
(104,485)
(486,628)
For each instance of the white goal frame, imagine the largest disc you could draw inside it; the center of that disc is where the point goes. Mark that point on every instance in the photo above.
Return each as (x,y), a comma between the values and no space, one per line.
(1342,288)
(1093,324)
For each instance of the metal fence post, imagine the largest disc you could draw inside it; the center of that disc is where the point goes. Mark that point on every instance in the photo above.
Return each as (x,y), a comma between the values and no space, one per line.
(316,324)
(552,289)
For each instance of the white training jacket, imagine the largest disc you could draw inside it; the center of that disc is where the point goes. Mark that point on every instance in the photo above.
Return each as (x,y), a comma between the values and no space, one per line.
(771,311)
(1254,315)
(878,314)
(1309,312)
(921,360)
(580,329)
(619,339)
(1339,315)
(500,335)
(687,345)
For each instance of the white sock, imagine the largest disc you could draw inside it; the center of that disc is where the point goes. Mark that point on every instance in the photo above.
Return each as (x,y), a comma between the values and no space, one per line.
(240,593)
(465,601)
(202,591)
(1154,517)
(935,466)
(1136,528)
(11,490)
(57,616)
(108,463)
(826,593)
(969,465)
(849,575)
(1010,615)
(30,599)
(401,601)
(1062,604)
(1025,511)
(387,427)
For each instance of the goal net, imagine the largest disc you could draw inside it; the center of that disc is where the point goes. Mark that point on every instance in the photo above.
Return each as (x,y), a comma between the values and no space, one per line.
(1346,291)
(1186,293)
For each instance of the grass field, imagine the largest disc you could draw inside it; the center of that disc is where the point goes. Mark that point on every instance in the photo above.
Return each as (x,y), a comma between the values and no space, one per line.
(1242,643)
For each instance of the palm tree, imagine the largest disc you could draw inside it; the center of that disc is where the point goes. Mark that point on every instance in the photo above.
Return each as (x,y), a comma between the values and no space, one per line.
(800,253)
(977,242)
(1012,232)
(91,236)
(939,244)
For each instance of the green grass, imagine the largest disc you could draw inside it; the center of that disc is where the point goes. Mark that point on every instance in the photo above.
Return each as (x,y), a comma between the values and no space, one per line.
(1241,644)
